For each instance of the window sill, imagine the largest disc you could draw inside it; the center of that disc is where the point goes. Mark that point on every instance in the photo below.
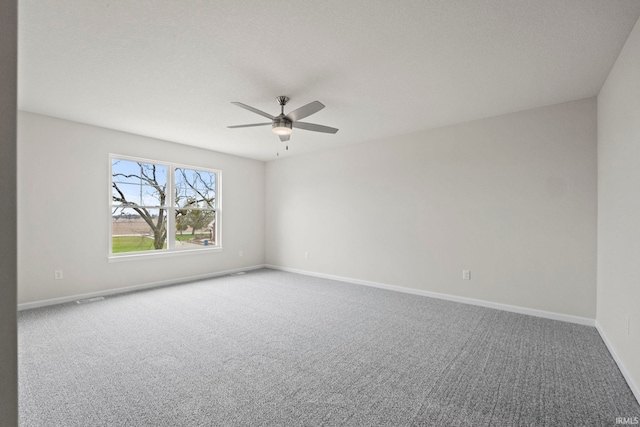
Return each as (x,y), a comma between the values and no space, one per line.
(161,254)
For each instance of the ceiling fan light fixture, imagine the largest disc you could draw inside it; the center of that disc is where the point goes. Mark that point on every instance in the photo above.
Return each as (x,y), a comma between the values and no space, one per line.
(282,128)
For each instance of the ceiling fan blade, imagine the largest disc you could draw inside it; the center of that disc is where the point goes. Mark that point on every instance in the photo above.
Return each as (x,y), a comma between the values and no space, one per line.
(305,111)
(314,127)
(255,110)
(248,126)
(284,138)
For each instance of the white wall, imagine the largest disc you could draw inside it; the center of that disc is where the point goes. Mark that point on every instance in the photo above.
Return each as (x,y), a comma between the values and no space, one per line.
(511,198)
(63,205)
(619,207)
(8,340)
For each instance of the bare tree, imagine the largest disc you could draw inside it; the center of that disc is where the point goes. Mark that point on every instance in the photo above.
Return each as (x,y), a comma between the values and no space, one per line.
(147,176)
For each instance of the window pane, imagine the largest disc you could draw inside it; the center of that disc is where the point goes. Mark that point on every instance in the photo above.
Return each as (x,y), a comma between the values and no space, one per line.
(131,231)
(138,183)
(195,188)
(137,195)
(195,228)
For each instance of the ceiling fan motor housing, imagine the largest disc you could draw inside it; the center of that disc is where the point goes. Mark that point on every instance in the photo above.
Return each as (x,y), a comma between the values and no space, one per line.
(281,126)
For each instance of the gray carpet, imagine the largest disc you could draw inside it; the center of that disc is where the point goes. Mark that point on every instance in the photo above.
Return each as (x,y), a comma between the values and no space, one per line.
(275,348)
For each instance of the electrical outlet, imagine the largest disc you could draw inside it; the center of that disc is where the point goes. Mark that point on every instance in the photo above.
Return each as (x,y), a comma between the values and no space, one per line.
(466,274)
(306,255)
(240,253)
(57,274)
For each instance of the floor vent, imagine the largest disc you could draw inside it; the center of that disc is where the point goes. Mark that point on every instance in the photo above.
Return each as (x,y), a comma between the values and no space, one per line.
(238,273)
(85,301)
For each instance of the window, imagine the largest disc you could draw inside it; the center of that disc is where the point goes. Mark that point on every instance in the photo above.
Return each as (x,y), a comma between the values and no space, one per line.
(161,207)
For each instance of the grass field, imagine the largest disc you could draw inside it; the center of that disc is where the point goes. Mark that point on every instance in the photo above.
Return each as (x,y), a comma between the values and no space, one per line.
(140,243)
(132,244)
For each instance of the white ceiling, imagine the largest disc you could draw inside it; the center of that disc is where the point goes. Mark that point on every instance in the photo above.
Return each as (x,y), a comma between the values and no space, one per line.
(169,69)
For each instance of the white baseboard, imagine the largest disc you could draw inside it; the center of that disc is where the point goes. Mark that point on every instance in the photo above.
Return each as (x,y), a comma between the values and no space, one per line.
(488,304)
(632,385)
(62,300)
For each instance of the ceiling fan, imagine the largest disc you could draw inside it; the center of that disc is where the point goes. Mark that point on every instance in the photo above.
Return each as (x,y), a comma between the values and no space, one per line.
(282,125)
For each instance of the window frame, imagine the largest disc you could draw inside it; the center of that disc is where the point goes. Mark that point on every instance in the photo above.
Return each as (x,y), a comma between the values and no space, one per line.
(170,207)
